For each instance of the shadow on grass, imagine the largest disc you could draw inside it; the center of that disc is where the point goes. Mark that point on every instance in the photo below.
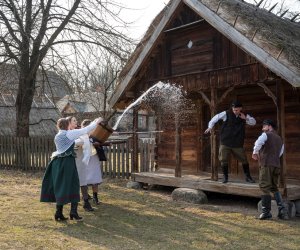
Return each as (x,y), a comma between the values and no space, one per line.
(130,219)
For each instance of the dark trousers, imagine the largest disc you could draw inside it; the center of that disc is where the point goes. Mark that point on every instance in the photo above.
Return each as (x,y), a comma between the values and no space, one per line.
(268,179)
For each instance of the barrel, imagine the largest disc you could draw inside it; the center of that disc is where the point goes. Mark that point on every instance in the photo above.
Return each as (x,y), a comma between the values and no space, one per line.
(102,132)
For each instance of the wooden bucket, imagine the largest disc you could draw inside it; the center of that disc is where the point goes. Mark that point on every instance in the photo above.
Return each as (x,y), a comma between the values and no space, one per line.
(102,132)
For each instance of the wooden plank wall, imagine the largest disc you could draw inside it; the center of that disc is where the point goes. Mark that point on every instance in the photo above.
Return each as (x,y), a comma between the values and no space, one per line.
(166,157)
(198,57)
(260,106)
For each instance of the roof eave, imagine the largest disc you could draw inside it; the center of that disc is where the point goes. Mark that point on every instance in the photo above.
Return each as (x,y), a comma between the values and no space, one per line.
(122,86)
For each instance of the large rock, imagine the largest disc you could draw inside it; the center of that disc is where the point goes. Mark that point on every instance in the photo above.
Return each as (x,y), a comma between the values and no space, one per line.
(274,208)
(189,195)
(134,185)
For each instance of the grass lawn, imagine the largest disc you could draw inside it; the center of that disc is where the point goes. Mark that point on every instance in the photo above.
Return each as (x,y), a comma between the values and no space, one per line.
(131,219)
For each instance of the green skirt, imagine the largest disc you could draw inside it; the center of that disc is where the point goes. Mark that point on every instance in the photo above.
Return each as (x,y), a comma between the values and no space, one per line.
(61,182)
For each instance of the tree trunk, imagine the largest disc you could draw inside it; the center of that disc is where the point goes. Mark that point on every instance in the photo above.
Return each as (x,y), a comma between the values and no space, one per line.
(24,102)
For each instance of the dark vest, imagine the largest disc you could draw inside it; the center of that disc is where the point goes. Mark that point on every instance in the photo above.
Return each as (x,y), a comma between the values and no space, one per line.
(233,131)
(269,153)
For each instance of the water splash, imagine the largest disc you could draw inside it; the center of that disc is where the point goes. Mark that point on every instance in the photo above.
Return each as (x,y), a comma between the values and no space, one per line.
(161,97)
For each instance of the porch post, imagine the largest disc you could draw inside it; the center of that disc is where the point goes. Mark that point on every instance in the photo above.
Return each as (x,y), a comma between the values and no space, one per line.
(135,151)
(177,146)
(281,131)
(200,141)
(213,139)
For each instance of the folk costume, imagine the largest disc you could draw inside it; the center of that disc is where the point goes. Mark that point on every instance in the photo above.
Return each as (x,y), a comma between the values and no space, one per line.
(232,138)
(88,167)
(269,147)
(61,183)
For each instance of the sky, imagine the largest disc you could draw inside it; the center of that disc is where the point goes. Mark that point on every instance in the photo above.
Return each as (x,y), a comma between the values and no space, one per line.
(142,14)
(144,11)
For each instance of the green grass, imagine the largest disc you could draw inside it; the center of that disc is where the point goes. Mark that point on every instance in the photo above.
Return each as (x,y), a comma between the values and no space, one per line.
(131,219)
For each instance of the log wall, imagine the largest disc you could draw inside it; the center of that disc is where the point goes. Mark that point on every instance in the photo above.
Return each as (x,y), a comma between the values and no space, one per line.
(214,61)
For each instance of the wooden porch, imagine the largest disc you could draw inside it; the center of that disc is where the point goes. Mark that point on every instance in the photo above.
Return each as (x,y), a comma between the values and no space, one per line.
(204,183)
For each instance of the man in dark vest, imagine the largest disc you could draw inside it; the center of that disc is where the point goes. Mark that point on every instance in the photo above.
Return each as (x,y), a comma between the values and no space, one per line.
(268,149)
(232,137)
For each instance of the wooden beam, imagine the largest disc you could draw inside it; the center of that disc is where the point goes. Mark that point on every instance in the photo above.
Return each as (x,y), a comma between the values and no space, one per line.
(129,94)
(213,137)
(272,7)
(257,5)
(203,183)
(268,92)
(205,98)
(226,93)
(281,130)
(178,148)
(135,151)
(243,42)
(200,141)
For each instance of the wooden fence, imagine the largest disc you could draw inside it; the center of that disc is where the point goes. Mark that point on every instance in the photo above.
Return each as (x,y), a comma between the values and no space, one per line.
(33,154)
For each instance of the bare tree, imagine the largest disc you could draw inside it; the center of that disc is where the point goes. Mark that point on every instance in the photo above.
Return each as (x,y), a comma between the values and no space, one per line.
(42,32)
(94,84)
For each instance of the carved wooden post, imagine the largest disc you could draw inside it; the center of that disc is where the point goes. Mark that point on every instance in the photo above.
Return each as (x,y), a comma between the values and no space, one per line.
(200,142)
(213,140)
(177,146)
(135,151)
(281,130)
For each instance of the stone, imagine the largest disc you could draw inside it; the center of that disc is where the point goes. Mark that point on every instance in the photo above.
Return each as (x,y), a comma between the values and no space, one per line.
(297,206)
(291,208)
(134,185)
(189,195)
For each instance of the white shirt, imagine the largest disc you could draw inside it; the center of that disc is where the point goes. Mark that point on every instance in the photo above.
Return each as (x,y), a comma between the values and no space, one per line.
(261,141)
(222,116)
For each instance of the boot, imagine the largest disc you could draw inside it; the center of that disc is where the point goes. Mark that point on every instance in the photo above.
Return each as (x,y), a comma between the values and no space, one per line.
(282,211)
(87,206)
(58,214)
(73,212)
(225,173)
(95,198)
(247,173)
(266,207)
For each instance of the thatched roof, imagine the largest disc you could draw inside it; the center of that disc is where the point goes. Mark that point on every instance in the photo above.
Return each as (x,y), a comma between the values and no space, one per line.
(43,114)
(273,41)
(42,119)
(278,36)
(47,83)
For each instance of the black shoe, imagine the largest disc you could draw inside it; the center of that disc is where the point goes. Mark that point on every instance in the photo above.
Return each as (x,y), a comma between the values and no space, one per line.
(249,179)
(247,173)
(225,173)
(75,216)
(58,214)
(225,180)
(87,206)
(265,216)
(95,199)
(282,210)
(265,207)
(73,212)
(59,217)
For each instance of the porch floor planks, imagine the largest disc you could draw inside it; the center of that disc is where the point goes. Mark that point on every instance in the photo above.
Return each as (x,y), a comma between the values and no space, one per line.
(204,183)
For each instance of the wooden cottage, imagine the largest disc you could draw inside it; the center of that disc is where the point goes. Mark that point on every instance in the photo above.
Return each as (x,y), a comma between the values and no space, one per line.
(218,51)
(44,113)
